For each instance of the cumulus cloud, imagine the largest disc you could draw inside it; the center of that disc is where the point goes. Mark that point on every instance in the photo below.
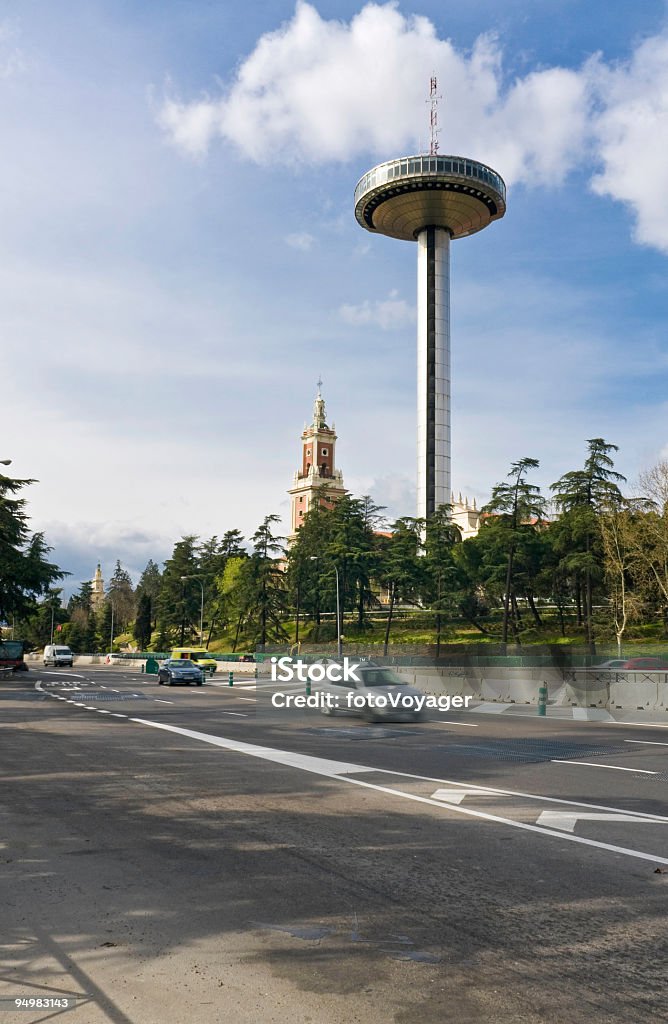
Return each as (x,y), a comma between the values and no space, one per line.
(318,90)
(389,314)
(301,240)
(631,130)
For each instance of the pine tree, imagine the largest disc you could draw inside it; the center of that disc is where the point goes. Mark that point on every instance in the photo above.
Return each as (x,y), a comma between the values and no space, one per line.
(580,496)
(142,629)
(515,505)
(25,573)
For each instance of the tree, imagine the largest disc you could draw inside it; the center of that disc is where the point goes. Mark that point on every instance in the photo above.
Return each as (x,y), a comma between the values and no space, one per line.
(352,548)
(263,586)
(25,573)
(443,578)
(649,540)
(179,606)
(121,596)
(619,524)
(401,569)
(81,635)
(232,596)
(515,505)
(580,496)
(307,566)
(143,624)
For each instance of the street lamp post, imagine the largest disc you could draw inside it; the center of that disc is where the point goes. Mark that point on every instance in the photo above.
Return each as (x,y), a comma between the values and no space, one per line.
(201,607)
(339,637)
(111,634)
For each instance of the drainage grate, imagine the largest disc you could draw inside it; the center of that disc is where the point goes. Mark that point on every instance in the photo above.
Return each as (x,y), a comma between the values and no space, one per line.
(108,696)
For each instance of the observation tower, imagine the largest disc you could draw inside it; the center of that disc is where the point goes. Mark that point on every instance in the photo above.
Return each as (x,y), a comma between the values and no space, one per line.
(431,200)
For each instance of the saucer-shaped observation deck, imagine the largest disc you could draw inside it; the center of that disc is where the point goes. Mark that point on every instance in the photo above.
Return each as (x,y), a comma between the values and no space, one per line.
(400,198)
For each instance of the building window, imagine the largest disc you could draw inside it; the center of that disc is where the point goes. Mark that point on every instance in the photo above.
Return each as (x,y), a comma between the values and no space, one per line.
(300,500)
(324,451)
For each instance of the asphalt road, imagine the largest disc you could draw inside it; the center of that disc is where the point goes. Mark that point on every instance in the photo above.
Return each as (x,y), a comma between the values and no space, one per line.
(187,854)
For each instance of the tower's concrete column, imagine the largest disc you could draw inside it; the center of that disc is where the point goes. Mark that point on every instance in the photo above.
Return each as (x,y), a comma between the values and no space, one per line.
(433,371)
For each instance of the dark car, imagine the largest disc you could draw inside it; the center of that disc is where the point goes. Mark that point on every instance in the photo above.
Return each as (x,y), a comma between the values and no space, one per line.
(649,664)
(180,671)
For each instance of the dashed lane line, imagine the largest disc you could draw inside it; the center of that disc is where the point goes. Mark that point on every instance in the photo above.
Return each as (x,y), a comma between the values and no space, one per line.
(612,767)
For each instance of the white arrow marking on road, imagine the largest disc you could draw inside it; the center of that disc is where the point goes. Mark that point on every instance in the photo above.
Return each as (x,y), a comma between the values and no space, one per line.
(455,796)
(567,822)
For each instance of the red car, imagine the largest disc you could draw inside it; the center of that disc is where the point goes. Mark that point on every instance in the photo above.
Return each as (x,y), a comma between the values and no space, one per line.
(656,664)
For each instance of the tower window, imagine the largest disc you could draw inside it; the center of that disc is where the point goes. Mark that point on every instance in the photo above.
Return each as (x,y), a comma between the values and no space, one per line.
(325,450)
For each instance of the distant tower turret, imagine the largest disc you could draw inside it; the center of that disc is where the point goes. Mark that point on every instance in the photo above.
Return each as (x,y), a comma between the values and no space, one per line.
(97,596)
(317,480)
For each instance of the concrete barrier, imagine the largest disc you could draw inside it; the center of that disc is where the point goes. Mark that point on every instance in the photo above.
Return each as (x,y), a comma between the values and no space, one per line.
(505,686)
(580,688)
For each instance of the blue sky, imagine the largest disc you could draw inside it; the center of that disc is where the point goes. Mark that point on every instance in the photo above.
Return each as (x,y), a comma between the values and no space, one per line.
(179,258)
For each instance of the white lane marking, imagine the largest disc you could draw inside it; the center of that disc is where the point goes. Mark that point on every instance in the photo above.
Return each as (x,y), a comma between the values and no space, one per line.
(161,700)
(453,796)
(67,675)
(491,709)
(612,767)
(342,770)
(567,822)
(114,691)
(116,714)
(318,765)
(253,700)
(468,725)
(237,714)
(642,725)
(648,743)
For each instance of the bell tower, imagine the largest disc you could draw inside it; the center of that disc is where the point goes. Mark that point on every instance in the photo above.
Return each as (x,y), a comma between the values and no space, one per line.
(317,481)
(97,594)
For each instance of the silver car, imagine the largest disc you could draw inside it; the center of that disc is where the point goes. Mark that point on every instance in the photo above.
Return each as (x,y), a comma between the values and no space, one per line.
(378,695)
(176,671)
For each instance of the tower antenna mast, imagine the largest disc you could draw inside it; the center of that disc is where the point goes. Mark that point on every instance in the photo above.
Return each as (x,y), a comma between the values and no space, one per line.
(433,116)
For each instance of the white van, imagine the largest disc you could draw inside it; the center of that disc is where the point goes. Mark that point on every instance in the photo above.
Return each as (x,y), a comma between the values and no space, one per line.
(55,655)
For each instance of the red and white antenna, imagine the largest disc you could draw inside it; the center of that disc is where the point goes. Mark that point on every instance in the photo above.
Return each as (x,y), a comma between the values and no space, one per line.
(433,116)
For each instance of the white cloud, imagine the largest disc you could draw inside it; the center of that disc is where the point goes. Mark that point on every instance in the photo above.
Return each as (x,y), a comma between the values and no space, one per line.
(317,90)
(631,132)
(390,314)
(301,240)
(12,59)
